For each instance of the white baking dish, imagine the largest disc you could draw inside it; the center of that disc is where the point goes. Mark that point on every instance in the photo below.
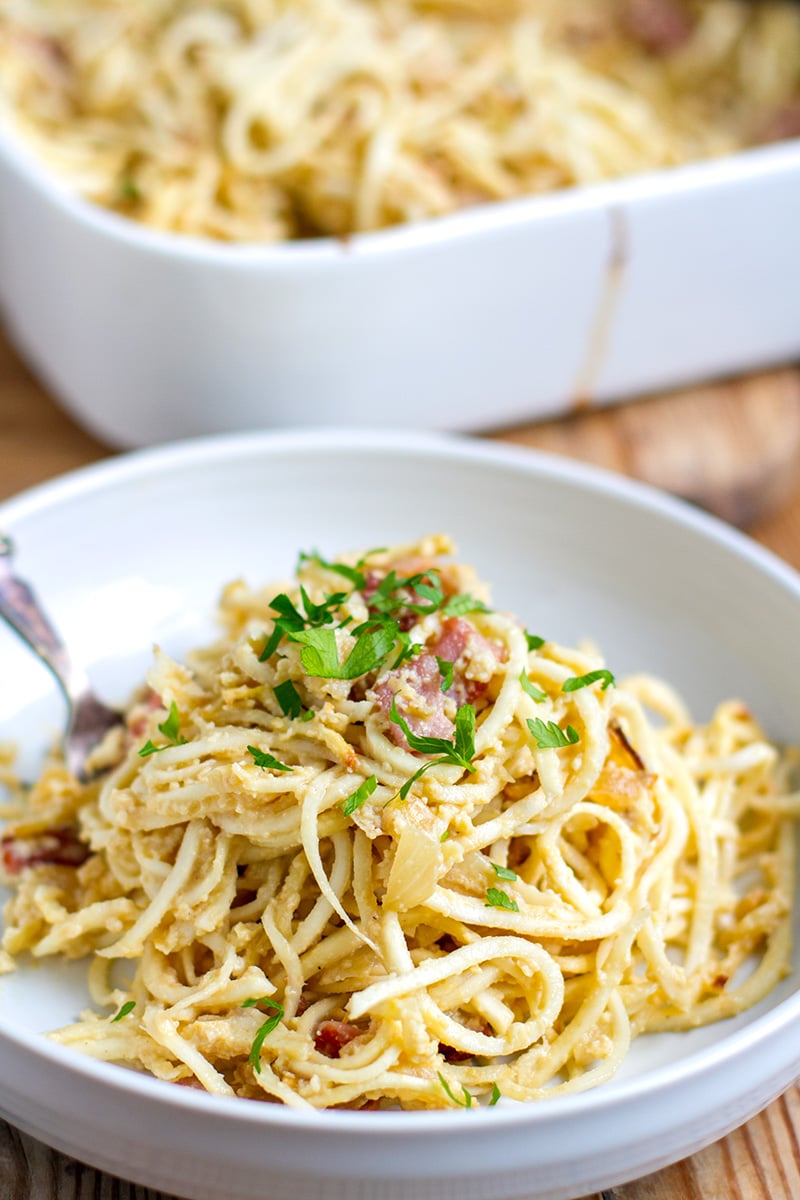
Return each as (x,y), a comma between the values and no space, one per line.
(502,313)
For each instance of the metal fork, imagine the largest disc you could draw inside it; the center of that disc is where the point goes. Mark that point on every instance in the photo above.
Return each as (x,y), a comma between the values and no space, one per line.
(88,718)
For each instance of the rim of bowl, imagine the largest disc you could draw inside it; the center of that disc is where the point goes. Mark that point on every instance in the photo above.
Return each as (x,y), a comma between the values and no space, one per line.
(125,468)
(747,164)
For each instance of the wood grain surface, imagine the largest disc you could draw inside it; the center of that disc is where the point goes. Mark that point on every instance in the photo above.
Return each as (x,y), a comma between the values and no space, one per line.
(732,447)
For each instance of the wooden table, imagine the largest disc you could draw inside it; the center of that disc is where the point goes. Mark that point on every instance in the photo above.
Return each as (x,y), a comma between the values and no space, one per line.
(733,447)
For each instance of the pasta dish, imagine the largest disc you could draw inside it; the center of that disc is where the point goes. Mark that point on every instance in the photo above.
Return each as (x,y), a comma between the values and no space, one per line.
(262,120)
(383,846)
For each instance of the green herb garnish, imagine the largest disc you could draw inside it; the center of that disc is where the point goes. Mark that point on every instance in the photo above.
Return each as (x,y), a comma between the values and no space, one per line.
(359,796)
(267,761)
(254,1057)
(532,690)
(465,1103)
(393,594)
(581,681)
(458,606)
(446,671)
(459,752)
(289,699)
(495,898)
(351,574)
(496,1095)
(408,649)
(504,872)
(169,728)
(534,642)
(126,1008)
(320,653)
(549,736)
(129,190)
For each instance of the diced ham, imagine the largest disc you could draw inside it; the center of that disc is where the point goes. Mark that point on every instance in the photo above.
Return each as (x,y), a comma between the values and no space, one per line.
(660,26)
(61,846)
(420,701)
(457,638)
(416,687)
(331,1036)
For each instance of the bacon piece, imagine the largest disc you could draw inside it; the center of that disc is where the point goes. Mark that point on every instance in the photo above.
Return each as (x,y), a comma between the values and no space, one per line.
(422,679)
(660,26)
(331,1036)
(458,637)
(61,846)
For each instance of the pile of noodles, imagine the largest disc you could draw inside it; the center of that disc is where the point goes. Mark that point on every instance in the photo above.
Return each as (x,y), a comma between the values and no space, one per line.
(284,896)
(261,120)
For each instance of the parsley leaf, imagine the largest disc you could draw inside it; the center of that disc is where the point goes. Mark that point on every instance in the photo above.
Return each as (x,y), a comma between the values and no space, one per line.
(495,898)
(351,574)
(534,642)
(320,654)
(446,671)
(459,751)
(549,736)
(288,621)
(496,1095)
(504,872)
(289,699)
(267,761)
(169,728)
(408,650)
(533,691)
(321,614)
(576,682)
(458,606)
(127,1007)
(254,1057)
(393,593)
(359,796)
(465,1103)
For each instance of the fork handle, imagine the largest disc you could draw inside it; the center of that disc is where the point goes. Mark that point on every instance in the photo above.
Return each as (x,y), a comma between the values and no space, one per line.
(20,607)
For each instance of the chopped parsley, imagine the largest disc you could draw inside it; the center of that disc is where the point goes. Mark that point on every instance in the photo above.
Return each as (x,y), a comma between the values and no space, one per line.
(393,594)
(320,653)
(496,1095)
(126,1008)
(267,761)
(446,671)
(534,642)
(495,898)
(549,736)
(504,872)
(465,1103)
(254,1057)
(289,699)
(170,729)
(129,190)
(532,690)
(459,751)
(408,649)
(359,796)
(351,574)
(458,606)
(576,682)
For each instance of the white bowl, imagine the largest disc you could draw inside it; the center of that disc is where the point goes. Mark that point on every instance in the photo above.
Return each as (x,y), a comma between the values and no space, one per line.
(135,550)
(500,314)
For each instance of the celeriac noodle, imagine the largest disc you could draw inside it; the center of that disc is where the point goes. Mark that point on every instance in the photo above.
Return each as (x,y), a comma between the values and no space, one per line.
(261,120)
(478,872)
